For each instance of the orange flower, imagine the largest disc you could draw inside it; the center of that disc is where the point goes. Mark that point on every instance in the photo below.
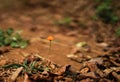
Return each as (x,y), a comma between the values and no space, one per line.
(50,38)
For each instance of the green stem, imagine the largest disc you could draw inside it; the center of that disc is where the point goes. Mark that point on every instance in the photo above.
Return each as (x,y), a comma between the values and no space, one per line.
(49,48)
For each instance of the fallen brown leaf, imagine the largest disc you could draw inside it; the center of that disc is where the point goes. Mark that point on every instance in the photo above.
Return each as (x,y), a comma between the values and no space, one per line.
(15,74)
(62,70)
(26,78)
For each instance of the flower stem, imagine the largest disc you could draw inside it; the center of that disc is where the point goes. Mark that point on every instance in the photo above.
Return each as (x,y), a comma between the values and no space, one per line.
(50,48)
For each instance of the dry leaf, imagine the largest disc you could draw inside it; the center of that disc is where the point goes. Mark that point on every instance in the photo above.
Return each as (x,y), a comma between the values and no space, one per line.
(62,70)
(26,78)
(15,74)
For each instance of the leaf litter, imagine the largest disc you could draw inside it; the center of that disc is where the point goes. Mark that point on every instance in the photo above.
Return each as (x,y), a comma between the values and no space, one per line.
(34,68)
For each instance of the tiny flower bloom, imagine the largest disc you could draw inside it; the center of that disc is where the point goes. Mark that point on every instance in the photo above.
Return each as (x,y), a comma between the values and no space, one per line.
(50,38)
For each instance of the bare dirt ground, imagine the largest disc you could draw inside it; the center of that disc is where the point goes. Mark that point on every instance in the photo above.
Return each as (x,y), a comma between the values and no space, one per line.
(37,29)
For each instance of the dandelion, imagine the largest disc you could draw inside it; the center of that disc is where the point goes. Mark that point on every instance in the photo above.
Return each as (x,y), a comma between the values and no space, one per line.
(50,38)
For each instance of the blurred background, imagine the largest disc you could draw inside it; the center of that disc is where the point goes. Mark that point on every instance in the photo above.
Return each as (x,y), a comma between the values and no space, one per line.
(69,21)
